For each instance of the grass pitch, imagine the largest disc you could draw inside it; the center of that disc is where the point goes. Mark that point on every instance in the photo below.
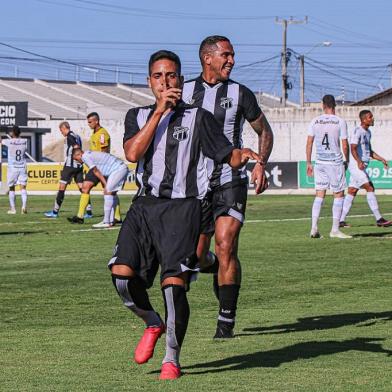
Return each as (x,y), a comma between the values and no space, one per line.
(314,315)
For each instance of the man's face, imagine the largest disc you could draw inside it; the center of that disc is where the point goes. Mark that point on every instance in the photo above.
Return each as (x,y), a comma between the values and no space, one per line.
(368,120)
(164,75)
(77,155)
(221,61)
(64,131)
(92,122)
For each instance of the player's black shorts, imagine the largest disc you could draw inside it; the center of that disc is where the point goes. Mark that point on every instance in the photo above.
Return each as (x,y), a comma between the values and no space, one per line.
(71,173)
(90,176)
(159,232)
(226,200)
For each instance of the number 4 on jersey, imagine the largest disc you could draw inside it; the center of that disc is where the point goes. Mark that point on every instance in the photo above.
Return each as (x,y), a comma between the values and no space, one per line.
(325,142)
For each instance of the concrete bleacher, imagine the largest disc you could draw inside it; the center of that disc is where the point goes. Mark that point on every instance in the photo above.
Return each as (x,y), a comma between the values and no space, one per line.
(57,100)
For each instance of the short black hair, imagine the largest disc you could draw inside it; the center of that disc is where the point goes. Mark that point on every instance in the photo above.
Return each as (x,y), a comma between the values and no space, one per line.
(329,101)
(75,150)
(93,114)
(164,54)
(363,113)
(16,130)
(208,42)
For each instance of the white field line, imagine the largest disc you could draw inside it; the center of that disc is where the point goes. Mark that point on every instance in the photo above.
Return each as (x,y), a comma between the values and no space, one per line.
(304,219)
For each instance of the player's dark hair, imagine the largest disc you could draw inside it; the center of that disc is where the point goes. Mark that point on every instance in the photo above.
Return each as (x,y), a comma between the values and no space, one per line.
(16,130)
(329,101)
(363,113)
(164,54)
(209,43)
(75,150)
(93,114)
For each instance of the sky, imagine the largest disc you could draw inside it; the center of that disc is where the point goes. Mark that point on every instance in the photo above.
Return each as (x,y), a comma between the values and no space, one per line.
(111,40)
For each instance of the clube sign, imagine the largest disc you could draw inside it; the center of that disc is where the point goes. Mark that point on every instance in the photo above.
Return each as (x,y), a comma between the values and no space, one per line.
(13,113)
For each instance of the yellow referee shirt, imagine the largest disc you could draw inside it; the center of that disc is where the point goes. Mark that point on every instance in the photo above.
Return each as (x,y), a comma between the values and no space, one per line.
(100,140)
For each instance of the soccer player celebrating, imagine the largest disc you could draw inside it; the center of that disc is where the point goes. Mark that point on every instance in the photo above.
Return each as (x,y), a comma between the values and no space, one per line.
(111,172)
(72,169)
(231,104)
(326,131)
(16,173)
(170,141)
(361,153)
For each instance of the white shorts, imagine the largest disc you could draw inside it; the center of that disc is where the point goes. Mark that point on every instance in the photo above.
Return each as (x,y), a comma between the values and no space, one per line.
(16,176)
(358,177)
(331,177)
(116,180)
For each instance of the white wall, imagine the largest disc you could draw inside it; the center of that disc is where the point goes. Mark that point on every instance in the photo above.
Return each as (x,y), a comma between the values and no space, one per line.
(289,127)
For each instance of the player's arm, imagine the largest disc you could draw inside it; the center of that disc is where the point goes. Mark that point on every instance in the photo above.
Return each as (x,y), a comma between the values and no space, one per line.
(137,145)
(100,176)
(354,153)
(309,148)
(346,151)
(266,141)
(377,157)
(240,157)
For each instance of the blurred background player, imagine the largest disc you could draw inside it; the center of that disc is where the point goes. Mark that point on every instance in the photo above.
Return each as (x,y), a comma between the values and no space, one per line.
(361,152)
(326,131)
(111,172)
(99,141)
(17,170)
(72,170)
(224,208)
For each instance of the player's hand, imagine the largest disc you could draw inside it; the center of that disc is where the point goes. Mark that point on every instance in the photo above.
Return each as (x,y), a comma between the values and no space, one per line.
(246,154)
(259,178)
(361,165)
(385,163)
(345,165)
(168,98)
(309,170)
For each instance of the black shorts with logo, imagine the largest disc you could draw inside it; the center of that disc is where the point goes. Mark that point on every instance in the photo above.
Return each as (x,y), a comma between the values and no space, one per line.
(159,232)
(71,173)
(91,177)
(227,200)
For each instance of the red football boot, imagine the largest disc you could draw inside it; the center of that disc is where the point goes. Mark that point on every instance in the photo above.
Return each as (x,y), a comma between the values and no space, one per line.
(170,371)
(145,348)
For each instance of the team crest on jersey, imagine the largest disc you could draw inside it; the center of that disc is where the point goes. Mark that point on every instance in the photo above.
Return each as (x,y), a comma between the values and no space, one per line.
(226,103)
(180,133)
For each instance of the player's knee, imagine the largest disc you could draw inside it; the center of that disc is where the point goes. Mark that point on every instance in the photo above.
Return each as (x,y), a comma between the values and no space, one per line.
(225,249)
(352,191)
(122,270)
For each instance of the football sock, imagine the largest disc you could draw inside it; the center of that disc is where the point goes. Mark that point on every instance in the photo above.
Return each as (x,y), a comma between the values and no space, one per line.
(89,208)
(23,194)
(228,298)
(316,209)
(11,197)
(348,202)
(133,293)
(117,211)
(372,201)
(114,207)
(336,212)
(59,200)
(107,208)
(84,199)
(177,317)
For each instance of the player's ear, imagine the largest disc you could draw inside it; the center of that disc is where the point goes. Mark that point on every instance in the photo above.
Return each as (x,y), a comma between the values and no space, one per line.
(181,81)
(149,81)
(207,58)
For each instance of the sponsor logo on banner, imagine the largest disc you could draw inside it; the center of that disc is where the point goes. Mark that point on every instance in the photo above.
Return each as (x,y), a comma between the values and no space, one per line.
(281,175)
(46,177)
(380,177)
(13,113)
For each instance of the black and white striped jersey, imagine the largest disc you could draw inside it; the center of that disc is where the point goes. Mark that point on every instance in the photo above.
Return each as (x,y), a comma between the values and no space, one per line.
(70,141)
(175,164)
(231,104)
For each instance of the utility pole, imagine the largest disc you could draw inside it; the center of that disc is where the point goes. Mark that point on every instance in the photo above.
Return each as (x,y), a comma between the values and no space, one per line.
(285,23)
(302,80)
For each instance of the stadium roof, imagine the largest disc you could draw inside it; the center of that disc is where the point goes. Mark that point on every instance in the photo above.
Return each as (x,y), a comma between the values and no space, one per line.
(381,98)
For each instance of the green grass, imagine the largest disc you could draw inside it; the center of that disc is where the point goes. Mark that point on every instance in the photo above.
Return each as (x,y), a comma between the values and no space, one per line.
(314,315)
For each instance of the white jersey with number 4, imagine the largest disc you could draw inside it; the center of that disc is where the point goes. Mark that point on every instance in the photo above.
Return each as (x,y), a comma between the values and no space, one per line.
(16,152)
(328,130)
